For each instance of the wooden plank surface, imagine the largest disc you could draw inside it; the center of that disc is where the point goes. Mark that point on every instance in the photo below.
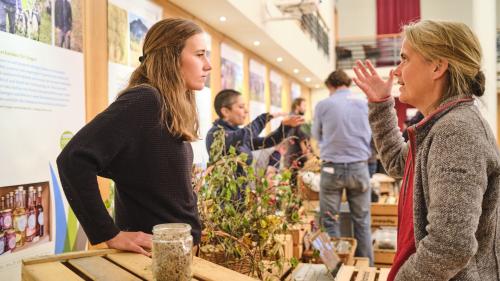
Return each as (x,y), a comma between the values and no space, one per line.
(384,273)
(366,274)
(362,262)
(345,273)
(311,272)
(207,271)
(98,268)
(67,256)
(53,271)
(138,264)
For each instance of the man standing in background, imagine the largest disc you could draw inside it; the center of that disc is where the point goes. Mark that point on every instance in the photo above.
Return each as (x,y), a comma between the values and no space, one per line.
(343,132)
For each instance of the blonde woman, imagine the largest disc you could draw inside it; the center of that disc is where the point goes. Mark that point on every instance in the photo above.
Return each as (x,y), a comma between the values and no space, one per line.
(449,224)
(142,142)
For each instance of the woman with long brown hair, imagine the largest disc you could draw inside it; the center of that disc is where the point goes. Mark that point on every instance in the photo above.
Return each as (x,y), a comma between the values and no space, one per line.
(142,142)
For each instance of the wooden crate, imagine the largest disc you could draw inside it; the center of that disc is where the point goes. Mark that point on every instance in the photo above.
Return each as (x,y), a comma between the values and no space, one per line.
(387,184)
(382,208)
(344,258)
(298,231)
(305,192)
(384,221)
(347,258)
(112,265)
(381,256)
(287,242)
(360,271)
(310,206)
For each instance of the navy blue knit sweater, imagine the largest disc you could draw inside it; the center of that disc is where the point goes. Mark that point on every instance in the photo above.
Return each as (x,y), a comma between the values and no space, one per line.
(151,169)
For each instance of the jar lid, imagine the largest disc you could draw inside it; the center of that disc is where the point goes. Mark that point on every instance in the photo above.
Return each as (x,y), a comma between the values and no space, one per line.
(172,228)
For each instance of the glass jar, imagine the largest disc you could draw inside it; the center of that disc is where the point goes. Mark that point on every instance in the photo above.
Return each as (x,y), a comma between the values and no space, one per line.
(172,252)
(6,219)
(10,240)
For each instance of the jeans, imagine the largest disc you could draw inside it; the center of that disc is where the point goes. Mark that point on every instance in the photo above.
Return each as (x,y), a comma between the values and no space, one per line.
(372,168)
(7,11)
(355,179)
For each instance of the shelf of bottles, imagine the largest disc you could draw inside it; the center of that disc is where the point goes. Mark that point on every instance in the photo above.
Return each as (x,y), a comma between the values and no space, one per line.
(21,218)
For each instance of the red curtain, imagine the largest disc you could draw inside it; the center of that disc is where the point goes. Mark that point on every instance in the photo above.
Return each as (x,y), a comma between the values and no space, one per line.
(393,14)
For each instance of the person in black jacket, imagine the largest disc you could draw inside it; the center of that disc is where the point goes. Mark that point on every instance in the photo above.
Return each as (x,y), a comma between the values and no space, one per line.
(142,142)
(232,112)
(63,21)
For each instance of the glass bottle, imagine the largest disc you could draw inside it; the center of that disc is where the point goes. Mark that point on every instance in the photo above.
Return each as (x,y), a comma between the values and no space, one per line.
(12,200)
(31,214)
(7,201)
(39,213)
(20,219)
(172,252)
(2,242)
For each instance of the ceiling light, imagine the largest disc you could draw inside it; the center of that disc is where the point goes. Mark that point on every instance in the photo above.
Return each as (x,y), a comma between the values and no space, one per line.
(222,19)
(295,70)
(279,59)
(308,79)
(256,43)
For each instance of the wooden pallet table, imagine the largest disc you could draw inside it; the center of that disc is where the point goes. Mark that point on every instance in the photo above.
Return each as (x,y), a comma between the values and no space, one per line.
(113,265)
(360,271)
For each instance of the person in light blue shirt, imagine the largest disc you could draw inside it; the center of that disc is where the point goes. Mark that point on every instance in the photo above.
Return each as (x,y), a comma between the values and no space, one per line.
(343,133)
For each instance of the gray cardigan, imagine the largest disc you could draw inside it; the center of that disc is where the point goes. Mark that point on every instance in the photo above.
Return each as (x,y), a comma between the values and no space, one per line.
(456,191)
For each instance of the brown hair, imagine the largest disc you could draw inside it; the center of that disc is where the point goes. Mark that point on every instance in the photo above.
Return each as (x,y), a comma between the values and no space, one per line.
(160,68)
(338,78)
(296,102)
(456,43)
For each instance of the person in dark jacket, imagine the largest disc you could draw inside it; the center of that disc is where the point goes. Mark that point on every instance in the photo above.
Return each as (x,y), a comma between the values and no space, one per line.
(142,142)
(232,112)
(63,21)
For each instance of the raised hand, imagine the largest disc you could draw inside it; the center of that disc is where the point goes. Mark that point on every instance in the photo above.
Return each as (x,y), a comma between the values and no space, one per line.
(132,241)
(370,82)
(293,120)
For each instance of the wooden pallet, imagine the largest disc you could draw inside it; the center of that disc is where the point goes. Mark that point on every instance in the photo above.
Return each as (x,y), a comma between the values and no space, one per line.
(360,271)
(113,265)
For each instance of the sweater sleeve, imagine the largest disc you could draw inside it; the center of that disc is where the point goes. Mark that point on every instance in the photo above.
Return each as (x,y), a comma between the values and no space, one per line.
(387,137)
(273,139)
(90,152)
(240,136)
(457,179)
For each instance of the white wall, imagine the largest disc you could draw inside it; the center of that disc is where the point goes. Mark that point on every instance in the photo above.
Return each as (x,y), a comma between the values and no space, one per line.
(450,10)
(318,95)
(357,18)
(294,40)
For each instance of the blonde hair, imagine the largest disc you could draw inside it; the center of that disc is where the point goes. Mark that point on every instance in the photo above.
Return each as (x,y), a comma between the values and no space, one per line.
(160,68)
(456,43)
